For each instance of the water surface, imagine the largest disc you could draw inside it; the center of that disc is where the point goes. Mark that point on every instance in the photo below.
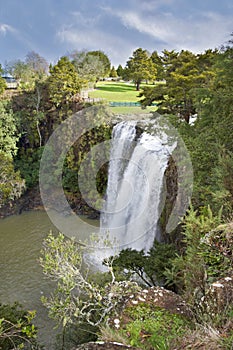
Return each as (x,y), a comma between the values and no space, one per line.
(21,277)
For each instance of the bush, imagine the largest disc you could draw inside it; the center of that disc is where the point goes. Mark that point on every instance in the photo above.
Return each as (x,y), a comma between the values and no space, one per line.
(16,329)
(153,328)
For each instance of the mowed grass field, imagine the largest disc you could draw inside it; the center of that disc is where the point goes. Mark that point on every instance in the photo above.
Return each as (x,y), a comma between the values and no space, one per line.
(119,92)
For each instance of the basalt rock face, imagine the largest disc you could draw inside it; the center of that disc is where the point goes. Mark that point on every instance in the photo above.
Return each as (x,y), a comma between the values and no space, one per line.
(170,186)
(30,200)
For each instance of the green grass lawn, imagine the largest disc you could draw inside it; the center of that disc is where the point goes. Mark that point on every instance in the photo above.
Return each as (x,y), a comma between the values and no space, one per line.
(116,92)
(120,92)
(132,110)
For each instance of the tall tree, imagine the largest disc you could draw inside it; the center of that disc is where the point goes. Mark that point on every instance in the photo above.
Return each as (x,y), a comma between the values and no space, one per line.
(8,133)
(140,67)
(11,185)
(2,81)
(120,71)
(37,63)
(113,73)
(184,74)
(103,58)
(89,67)
(63,82)
(157,60)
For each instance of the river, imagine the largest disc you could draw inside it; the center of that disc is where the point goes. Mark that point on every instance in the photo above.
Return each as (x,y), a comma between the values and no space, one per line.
(21,277)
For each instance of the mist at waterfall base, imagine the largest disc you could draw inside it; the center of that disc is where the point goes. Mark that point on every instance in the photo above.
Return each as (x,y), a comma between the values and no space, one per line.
(129,218)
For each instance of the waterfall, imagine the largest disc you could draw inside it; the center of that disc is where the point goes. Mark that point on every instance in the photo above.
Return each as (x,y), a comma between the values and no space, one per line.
(135,180)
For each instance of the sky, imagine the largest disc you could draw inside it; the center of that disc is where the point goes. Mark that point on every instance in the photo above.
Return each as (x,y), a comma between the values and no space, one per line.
(54,28)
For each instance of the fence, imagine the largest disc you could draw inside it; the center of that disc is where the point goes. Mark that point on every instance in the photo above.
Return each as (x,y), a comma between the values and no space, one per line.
(127,104)
(124,104)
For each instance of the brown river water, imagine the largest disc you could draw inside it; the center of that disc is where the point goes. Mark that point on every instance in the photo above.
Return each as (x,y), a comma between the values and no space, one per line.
(21,277)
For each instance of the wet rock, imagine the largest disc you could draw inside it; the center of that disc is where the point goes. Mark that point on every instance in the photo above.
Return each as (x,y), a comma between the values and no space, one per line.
(30,200)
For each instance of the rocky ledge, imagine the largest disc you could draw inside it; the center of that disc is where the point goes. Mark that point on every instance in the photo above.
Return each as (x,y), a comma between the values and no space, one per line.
(31,200)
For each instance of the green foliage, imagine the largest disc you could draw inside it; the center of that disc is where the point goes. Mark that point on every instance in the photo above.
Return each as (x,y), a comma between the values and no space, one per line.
(184,73)
(77,299)
(140,67)
(113,73)
(2,82)
(8,135)
(222,184)
(77,154)
(151,327)
(16,328)
(103,58)
(28,164)
(28,72)
(11,183)
(149,267)
(63,82)
(120,71)
(193,271)
(157,60)
(88,66)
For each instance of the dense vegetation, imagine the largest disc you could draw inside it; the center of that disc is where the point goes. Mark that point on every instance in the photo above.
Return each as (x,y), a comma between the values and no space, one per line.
(196,255)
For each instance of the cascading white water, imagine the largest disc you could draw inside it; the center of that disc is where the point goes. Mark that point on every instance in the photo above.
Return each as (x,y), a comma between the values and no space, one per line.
(135,182)
(123,136)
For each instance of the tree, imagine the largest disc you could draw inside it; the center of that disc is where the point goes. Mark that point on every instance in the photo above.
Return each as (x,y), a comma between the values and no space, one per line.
(220,104)
(34,68)
(157,60)
(2,82)
(169,60)
(16,329)
(11,184)
(192,271)
(113,73)
(120,71)
(89,67)
(186,78)
(37,63)
(140,67)
(63,82)
(77,299)
(8,131)
(104,59)
(23,73)
(151,267)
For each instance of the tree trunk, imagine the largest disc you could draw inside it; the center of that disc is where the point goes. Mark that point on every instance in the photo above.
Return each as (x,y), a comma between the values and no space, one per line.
(138,85)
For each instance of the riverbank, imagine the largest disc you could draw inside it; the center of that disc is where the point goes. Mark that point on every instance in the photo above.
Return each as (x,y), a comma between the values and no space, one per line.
(31,200)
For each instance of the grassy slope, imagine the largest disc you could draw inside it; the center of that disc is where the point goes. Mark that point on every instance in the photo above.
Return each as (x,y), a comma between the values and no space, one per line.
(119,92)
(114,91)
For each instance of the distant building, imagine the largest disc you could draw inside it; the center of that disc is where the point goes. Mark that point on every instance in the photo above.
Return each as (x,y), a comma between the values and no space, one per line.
(11,83)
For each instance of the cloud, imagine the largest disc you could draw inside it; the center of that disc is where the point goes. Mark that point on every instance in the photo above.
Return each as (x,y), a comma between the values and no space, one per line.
(115,46)
(84,20)
(4,28)
(194,32)
(134,26)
